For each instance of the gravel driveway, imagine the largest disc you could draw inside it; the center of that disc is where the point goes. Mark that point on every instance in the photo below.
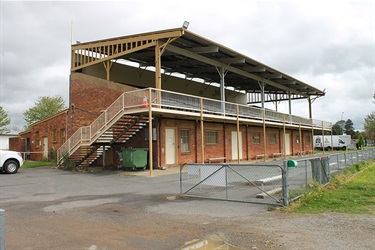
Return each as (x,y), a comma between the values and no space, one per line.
(53,209)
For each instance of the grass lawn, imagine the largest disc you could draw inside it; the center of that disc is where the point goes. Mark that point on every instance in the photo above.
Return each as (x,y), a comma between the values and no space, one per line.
(34,164)
(352,192)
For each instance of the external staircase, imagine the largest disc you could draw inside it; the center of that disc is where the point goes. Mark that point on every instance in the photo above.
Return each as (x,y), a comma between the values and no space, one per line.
(119,123)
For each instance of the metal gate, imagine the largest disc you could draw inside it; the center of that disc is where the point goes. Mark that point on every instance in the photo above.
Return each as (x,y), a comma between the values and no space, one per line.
(245,183)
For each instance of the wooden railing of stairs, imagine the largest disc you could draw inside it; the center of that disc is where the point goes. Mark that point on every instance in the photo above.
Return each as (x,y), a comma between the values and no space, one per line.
(117,124)
(123,130)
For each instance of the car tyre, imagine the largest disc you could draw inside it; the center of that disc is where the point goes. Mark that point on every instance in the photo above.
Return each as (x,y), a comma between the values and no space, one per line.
(11,167)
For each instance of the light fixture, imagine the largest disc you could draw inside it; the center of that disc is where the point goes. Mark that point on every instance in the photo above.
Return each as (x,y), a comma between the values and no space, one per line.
(185,25)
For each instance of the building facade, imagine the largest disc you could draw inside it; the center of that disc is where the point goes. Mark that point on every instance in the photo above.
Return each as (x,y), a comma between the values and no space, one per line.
(195,98)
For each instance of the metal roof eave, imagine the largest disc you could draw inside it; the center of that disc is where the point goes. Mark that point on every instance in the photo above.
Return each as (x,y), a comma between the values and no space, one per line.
(200,49)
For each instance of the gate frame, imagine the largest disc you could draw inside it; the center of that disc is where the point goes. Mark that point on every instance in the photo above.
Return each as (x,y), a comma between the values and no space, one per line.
(284,182)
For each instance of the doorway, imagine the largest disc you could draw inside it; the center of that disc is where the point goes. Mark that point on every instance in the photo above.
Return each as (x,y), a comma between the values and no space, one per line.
(170,146)
(234,145)
(45,147)
(287,144)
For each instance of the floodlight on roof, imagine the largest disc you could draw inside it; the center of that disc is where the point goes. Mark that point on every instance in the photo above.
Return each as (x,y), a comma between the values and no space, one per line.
(185,25)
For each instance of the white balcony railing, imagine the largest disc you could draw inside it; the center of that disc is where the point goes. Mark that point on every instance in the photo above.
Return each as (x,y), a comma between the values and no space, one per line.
(167,101)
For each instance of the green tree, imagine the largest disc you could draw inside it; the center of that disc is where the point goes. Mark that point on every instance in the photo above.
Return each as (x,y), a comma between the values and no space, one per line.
(349,127)
(44,107)
(338,127)
(4,121)
(369,126)
(355,135)
(361,141)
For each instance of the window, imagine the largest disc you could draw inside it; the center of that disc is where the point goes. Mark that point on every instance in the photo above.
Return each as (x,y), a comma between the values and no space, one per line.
(273,139)
(297,139)
(308,139)
(37,139)
(54,135)
(153,134)
(63,135)
(185,140)
(256,138)
(211,137)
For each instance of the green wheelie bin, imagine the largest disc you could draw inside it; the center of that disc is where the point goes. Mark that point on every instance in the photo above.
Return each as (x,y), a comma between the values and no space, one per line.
(135,158)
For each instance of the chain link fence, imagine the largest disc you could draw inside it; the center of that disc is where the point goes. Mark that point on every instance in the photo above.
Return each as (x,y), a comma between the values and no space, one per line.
(319,169)
(265,184)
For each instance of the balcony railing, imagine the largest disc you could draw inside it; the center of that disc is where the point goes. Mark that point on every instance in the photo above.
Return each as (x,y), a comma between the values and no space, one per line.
(167,101)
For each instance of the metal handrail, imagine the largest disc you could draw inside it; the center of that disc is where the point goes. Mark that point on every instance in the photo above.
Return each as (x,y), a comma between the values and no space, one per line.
(178,101)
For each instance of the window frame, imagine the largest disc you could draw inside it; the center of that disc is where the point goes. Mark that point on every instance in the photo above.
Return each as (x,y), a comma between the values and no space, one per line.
(186,137)
(272,138)
(253,137)
(214,136)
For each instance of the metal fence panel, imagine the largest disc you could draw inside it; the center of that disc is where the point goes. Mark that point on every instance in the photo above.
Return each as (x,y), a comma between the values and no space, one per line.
(320,169)
(243,182)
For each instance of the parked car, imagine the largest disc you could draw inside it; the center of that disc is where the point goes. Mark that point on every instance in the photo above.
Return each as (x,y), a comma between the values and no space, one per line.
(10,161)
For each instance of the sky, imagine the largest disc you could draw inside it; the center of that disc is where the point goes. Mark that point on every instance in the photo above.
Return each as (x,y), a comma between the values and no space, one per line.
(327,44)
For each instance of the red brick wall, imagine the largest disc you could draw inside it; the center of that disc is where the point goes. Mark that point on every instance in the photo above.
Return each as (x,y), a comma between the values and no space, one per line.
(254,147)
(89,101)
(250,148)
(16,144)
(182,157)
(52,129)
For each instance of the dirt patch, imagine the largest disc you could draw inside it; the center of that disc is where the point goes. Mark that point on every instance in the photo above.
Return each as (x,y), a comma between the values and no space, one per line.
(135,225)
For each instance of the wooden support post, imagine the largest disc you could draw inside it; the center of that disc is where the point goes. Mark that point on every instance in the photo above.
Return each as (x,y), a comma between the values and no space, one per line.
(264,135)
(312,137)
(202,131)
(300,137)
(322,142)
(158,71)
(284,132)
(238,135)
(150,156)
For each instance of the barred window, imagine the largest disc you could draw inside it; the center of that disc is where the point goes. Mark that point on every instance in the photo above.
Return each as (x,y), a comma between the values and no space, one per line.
(297,139)
(273,138)
(54,135)
(185,140)
(63,135)
(37,139)
(256,138)
(308,139)
(211,137)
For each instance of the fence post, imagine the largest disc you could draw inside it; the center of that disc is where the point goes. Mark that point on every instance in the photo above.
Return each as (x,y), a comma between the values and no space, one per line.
(226,182)
(338,163)
(285,184)
(306,177)
(2,229)
(357,157)
(345,160)
(320,170)
(181,178)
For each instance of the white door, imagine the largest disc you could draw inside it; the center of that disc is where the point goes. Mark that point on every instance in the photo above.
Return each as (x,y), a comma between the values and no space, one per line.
(170,146)
(45,147)
(234,145)
(287,144)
